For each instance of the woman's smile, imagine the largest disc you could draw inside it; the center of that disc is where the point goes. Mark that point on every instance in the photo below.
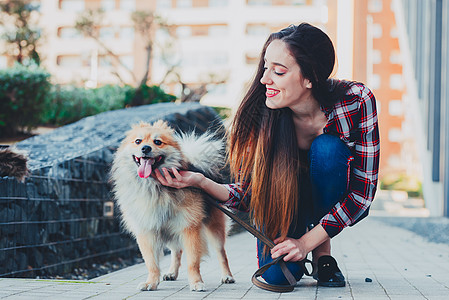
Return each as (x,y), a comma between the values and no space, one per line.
(271,92)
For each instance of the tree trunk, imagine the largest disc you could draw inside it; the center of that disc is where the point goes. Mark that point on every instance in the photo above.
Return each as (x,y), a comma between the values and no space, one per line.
(147,66)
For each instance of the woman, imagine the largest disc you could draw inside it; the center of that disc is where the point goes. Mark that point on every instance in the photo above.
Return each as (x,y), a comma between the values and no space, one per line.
(304,149)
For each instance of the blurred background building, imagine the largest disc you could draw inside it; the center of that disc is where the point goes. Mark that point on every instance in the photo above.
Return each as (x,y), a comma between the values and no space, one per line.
(424,31)
(398,48)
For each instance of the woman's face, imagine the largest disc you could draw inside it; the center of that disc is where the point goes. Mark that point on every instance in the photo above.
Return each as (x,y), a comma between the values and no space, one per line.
(286,87)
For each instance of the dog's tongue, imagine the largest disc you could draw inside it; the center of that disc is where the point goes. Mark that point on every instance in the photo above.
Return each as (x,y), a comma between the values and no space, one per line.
(145,168)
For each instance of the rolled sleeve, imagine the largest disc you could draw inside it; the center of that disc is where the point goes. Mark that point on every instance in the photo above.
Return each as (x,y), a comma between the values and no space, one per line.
(238,198)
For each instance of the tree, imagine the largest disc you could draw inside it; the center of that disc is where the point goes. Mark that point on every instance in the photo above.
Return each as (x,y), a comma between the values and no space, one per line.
(88,23)
(190,92)
(21,33)
(143,23)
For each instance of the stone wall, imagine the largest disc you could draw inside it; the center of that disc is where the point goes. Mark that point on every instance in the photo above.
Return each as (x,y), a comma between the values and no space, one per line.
(63,215)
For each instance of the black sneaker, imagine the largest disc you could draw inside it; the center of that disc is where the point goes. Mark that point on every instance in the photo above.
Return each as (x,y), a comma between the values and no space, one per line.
(328,272)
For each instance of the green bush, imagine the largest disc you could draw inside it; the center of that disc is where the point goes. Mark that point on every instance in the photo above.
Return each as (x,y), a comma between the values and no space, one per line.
(67,104)
(23,91)
(402,182)
(27,99)
(147,95)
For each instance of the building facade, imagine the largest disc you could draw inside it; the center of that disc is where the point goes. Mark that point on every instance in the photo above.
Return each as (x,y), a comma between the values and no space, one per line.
(223,39)
(220,40)
(424,32)
(73,58)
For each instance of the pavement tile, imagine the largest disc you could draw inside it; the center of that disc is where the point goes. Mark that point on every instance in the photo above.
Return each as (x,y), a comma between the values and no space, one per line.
(401,265)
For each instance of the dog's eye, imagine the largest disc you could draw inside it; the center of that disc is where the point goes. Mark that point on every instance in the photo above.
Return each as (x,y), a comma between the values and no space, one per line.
(157,142)
(138,141)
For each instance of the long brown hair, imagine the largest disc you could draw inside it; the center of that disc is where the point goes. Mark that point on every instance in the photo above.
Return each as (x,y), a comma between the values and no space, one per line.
(263,148)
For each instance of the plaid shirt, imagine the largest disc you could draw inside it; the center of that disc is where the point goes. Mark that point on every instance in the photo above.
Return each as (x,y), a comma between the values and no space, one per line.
(354,120)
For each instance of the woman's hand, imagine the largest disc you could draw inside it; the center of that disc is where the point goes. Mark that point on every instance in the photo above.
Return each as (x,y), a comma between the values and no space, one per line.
(182,178)
(295,248)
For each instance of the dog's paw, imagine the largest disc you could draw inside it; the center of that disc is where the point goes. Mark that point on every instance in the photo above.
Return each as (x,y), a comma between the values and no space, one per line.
(170,277)
(147,286)
(228,279)
(198,286)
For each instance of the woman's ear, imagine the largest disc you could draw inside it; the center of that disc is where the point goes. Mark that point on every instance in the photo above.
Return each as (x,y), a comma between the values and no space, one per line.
(308,83)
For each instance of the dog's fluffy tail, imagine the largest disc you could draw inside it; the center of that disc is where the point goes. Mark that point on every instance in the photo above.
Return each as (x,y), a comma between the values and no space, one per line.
(13,162)
(205,152)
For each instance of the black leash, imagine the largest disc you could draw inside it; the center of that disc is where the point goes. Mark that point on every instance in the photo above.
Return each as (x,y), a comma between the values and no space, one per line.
(263,238)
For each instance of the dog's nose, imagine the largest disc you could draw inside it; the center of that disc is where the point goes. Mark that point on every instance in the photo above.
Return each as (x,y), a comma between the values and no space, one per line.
(146,149)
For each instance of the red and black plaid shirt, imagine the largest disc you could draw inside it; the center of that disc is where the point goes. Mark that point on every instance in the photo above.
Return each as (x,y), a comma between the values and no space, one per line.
(354,120)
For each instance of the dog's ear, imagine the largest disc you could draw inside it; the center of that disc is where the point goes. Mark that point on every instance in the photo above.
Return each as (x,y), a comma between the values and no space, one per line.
(162,124)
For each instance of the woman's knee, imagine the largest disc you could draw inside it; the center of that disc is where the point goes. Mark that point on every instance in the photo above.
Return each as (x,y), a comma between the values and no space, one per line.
(327,148)
(329,172)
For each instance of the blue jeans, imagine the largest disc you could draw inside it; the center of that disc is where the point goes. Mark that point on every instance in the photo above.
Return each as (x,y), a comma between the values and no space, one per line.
(322,185)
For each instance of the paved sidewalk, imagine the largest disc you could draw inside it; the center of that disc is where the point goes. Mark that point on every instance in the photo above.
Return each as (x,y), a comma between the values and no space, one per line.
(401,265)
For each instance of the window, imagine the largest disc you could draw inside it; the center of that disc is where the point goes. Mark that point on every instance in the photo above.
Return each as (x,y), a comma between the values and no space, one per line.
(163,4)
(375,81)
(395,57)
(258,30)
(396,81)
(71,5)
(218,3)
(127,33)
(190,59)
(299,2)
(377,31)
(162,34)
(107,33)
(259,2)
(375,6)
(395,108)
(69,61)
(104,61)
(184,3)
(183,31)
(377,56)
(218,30)
(107,5)
(68,33)
(128,5)
(395,135)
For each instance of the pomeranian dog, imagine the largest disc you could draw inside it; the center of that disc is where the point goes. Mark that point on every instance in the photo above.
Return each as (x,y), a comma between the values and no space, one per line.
(13,162)
(161,216)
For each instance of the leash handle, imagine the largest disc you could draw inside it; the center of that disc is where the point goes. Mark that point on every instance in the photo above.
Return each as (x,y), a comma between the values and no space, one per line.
(264,239)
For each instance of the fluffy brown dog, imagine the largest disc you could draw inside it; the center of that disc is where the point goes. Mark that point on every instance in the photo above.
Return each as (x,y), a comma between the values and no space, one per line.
(159,216)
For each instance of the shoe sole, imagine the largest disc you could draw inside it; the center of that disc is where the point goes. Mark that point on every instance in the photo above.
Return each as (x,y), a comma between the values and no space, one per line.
(332,284)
